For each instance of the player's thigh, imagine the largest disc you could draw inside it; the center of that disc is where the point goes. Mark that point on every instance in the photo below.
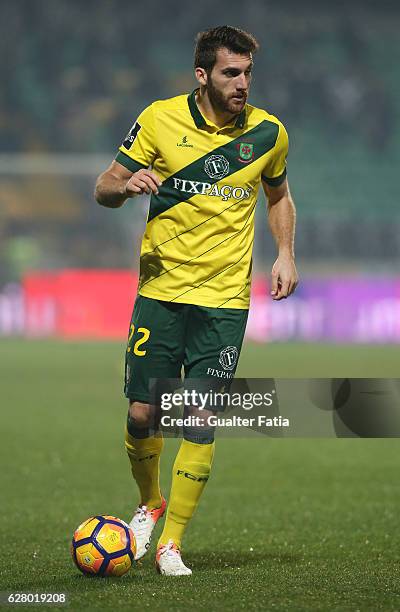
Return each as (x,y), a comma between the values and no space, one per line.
(155,345)
(214,338)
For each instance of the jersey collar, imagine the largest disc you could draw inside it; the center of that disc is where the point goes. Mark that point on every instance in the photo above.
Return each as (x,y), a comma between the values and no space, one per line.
(201,121)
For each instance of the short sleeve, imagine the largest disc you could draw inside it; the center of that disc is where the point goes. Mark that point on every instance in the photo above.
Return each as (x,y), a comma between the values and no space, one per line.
(138,149)
(274,172)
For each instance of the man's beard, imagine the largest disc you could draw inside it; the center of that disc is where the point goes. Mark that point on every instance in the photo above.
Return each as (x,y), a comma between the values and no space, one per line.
(220,102)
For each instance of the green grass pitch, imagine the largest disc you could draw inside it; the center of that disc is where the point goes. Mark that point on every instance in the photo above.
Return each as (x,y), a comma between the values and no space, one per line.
(284,524)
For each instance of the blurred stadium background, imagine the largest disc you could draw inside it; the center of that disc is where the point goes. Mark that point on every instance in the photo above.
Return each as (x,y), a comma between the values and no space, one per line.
(323,533)
(76,77)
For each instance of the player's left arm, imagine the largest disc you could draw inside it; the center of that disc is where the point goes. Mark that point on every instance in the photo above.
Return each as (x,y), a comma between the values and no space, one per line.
(282,222)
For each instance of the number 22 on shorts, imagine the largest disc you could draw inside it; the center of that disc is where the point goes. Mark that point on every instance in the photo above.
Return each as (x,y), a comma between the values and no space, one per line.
(136,347)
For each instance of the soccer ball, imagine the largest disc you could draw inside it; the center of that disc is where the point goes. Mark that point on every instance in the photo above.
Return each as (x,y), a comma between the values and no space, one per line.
(103,546)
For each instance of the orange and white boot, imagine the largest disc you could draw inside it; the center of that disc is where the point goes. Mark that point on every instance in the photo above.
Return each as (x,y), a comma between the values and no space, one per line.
(169,561)
(142,525)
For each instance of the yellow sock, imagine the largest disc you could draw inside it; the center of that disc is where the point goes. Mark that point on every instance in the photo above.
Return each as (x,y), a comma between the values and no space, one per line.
(144,455)
(189,476)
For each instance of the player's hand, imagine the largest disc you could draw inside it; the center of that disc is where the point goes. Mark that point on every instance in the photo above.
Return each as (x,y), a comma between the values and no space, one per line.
(284,277)
(143,181)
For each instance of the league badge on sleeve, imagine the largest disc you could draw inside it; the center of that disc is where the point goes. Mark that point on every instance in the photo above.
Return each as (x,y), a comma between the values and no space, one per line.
(131,135)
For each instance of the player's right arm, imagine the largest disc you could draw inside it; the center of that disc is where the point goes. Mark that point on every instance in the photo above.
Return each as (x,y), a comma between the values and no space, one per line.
(117,183)
(128,175)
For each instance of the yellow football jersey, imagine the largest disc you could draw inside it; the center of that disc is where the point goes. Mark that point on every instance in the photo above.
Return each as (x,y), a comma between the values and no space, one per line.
(198,242)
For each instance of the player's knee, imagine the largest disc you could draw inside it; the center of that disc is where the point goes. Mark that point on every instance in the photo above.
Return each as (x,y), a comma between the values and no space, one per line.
(140,415)
(199,435)
(200,430)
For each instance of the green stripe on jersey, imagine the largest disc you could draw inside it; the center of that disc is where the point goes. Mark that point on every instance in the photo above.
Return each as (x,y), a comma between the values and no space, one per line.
(276,181)
(263,138)
(128,162)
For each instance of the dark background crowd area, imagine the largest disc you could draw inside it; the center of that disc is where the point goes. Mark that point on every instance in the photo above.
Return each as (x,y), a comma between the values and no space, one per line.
(75,75)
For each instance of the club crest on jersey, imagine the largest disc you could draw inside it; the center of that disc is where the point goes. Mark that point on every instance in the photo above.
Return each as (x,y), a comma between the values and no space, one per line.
(216,166)
(246,152)
(228,357)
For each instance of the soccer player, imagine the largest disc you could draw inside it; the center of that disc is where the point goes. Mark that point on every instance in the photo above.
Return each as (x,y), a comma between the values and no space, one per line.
(202,158)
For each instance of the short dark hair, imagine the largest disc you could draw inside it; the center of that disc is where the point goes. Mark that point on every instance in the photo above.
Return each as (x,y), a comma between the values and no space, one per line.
(209,41)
